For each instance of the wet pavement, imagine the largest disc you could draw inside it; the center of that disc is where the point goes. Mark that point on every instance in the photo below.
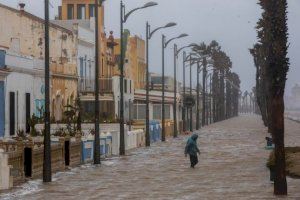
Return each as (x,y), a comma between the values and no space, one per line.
(232,166)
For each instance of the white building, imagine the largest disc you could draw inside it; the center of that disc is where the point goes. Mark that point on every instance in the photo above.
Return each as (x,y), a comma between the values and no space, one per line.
(22,92)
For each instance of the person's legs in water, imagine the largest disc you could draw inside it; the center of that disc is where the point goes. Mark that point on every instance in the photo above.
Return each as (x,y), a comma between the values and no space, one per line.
(194,160)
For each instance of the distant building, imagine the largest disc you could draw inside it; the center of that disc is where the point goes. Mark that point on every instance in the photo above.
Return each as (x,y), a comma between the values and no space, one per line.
(22,68)
(296,92)
(293,102)
(82,14)
(134,69)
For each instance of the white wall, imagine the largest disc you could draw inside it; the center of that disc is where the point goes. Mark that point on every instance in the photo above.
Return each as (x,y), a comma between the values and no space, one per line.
(127,96)
(23,79)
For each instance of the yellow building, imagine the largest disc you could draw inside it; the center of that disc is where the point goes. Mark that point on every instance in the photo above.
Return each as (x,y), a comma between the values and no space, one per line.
(84,10)
(135,62)
(23,36)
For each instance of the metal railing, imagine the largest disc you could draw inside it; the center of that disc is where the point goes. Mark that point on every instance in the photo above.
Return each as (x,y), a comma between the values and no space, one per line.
(88,85)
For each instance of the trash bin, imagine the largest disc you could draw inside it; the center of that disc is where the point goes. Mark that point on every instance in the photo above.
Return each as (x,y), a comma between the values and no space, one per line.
(87,151)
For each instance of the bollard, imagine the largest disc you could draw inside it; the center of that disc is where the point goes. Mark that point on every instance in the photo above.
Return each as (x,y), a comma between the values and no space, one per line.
(6,181)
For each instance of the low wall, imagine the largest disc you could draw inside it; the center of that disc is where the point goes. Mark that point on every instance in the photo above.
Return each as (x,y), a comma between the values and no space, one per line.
(86,128)
(75,153)
(81,151)
(16,160)
(57,160)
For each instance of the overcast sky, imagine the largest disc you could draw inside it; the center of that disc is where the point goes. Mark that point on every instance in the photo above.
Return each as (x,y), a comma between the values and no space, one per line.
(230,22)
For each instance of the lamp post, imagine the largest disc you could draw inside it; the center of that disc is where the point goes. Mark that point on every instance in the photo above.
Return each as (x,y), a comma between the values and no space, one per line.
(183,107)
(149,35)
(47,142)
(176,52)
(198,101)
(191,109)
(208,102)
(97,106)
(192,61)
(203,90)
(124,16)
(164,46)
(211,99)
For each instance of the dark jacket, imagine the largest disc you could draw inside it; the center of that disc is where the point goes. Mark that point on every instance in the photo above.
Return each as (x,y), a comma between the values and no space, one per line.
(191,147)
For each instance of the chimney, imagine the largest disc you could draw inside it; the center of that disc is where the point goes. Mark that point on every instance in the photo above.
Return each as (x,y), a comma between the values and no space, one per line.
(22,6)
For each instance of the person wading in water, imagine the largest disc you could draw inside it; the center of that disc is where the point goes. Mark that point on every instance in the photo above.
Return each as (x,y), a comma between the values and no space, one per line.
(192,149)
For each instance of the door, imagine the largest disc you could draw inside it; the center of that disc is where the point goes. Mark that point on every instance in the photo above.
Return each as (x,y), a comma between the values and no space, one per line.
(12,117)
(27,162)
(67,153)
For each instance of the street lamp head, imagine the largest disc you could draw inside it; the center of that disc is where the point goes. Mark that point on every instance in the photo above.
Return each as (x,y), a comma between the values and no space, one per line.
(193,45)
(150,4)
(183,35)
(171,24)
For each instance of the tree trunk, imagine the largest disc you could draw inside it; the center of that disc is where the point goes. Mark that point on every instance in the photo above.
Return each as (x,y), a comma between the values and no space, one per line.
(280,184)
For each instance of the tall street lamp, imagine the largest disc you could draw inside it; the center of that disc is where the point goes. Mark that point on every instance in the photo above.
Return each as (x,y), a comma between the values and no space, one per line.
(190,59)
(164,46)
(203,90)
(97,106)
(176,53)
(47,142)
(149,35)
(124,16)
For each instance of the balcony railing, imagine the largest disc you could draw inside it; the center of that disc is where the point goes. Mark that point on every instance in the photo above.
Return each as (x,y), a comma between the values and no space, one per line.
(88,85)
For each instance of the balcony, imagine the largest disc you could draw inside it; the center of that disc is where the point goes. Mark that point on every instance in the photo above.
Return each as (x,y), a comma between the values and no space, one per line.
(88,85)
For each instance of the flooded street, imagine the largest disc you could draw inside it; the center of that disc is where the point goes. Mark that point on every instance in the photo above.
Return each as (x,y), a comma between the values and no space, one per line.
(231,166)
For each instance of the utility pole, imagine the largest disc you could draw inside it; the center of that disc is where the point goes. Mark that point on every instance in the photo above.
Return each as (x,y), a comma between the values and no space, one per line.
(47,142)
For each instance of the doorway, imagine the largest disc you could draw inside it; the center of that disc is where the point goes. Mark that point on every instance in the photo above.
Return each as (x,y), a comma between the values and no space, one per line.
(67,153)
(28,162)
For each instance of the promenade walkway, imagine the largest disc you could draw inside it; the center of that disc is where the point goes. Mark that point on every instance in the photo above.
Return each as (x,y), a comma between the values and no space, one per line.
(232,166)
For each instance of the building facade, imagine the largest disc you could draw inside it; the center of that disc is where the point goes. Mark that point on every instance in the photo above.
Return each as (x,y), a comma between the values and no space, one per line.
(83,13)
(22,46)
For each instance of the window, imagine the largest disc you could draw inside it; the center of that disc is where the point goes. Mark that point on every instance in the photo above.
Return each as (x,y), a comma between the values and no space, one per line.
(92,10)
(80,11)
(130,86)
(139,111)
(157,111)
(167,111)
(70,11)
(81,67)
(12,118)
(27,113)
(125,85)
(102,67)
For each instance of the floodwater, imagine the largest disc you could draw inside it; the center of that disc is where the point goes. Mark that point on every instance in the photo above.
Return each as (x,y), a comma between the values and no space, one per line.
(232,166)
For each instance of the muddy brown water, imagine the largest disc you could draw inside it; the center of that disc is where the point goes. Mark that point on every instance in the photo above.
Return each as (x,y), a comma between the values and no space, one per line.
(232,166)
